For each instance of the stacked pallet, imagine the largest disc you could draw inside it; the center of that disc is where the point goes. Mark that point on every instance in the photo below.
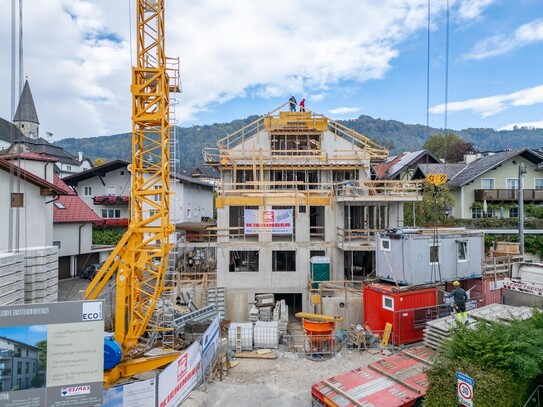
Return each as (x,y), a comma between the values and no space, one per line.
(41,275)
(11,278)
(438,330)
(280,314)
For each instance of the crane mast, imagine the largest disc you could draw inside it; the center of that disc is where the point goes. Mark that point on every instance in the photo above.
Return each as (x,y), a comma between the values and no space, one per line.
(138,263)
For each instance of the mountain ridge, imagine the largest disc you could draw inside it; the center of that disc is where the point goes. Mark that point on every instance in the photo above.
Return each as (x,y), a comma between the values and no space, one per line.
(395,135)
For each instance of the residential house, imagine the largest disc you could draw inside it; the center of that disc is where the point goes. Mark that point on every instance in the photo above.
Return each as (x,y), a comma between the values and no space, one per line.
(295,189)
(403,166)
(206,173)
(106,189)
(72,232)
(19,367)
(486,185)
(29,266)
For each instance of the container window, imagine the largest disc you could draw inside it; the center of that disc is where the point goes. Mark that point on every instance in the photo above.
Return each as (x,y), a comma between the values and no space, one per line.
(462,250)
(388,303)
(434,254)
(385,245)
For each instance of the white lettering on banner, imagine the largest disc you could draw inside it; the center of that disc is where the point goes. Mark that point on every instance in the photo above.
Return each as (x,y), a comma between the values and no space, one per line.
(180,377)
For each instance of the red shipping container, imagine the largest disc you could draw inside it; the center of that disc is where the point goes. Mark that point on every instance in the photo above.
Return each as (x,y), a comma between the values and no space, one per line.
(397,305)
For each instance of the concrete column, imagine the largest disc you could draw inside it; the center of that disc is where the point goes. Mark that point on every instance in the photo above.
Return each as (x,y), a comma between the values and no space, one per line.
(395,214)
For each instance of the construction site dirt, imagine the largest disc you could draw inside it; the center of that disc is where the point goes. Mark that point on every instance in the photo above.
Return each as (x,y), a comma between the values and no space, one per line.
(285,381)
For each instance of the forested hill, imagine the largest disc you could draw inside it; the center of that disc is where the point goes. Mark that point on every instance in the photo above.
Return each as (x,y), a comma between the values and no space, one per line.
(390,133)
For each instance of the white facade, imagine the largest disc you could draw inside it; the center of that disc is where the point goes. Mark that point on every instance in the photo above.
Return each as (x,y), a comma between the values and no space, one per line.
(74,238)
(190,200)
(31,225)
(18,365)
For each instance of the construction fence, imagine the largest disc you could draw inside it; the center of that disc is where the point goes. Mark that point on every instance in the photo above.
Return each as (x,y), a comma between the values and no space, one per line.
(171,386)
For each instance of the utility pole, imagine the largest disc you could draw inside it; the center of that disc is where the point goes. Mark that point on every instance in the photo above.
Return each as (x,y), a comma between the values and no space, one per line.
(521,172)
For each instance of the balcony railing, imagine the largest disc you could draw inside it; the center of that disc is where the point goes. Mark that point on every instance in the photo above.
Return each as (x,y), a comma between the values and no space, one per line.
(5,372)
(110,199)
(505,195)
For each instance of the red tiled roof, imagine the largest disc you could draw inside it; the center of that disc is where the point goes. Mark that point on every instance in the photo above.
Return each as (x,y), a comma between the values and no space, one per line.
(75,210)
(382,168)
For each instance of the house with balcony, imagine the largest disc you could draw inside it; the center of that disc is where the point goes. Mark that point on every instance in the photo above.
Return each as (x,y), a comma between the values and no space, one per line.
(487,185)
(19,367)
(106,189)
(297,186)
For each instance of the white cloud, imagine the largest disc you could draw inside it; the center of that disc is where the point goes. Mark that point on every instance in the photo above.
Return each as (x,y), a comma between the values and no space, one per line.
(472,9)
(491,105)
(528,125)
(344,110)
(502,44)
(77,53)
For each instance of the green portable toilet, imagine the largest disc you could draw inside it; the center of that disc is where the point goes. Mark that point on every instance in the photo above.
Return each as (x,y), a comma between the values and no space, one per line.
(319,267)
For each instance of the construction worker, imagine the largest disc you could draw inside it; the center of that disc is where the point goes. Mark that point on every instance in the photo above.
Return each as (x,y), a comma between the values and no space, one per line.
(292,103)
(302,105)
(460,297)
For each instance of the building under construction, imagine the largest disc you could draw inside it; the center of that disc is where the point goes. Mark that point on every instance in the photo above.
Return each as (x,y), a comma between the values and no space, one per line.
(296,189)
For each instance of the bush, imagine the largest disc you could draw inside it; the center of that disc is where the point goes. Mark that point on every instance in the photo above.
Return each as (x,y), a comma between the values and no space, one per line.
(106,236)
(504,360)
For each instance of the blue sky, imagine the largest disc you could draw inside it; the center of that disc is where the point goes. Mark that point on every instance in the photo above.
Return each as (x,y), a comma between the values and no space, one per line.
(347,58)
(25,334)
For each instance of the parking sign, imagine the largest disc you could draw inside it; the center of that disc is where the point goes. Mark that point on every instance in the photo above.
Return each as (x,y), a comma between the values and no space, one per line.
(465,389)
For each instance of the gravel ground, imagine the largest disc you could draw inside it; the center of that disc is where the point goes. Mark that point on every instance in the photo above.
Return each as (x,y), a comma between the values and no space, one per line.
(285,381)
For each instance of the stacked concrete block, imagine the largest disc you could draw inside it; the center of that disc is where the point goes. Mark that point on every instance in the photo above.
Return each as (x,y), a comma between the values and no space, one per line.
(11,278)
(41,274)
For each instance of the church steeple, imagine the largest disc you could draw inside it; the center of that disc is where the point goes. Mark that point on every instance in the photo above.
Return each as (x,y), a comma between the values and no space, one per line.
(26,118)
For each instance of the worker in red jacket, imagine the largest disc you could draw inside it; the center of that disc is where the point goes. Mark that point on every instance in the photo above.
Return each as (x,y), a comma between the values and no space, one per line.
(302,105)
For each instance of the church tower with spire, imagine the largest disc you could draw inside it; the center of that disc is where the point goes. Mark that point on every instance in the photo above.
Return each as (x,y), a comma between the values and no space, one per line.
(26,118)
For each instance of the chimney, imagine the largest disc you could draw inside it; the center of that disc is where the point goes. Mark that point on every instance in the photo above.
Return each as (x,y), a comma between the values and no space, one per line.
(469,158)
(80,155)
(49,136)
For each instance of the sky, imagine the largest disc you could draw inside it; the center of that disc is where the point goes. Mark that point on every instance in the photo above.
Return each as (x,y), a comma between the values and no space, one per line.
(25,334)
(245,57)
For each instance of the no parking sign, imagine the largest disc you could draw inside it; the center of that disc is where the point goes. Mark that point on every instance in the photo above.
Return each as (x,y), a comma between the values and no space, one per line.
(465,389)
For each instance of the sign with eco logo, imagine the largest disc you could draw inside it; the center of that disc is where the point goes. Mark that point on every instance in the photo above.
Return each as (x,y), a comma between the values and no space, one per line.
(52,354)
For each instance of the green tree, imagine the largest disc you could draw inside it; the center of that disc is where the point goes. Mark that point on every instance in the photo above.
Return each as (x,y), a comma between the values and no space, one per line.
(438,144)
(432,209)
(42,354)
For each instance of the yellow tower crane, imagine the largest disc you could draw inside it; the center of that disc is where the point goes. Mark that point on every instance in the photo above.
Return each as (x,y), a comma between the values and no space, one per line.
(139,277)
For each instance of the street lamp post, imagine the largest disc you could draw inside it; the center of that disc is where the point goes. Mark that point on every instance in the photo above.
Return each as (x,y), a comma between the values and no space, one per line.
(521,172)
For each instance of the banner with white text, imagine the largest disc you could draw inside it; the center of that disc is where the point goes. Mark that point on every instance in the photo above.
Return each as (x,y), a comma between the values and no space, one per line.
(275,221)
(180,377)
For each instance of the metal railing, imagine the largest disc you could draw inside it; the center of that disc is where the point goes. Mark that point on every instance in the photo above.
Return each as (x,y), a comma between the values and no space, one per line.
(534,195)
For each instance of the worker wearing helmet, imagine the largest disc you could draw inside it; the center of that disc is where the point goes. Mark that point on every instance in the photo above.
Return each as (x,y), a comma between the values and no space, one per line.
(460,297)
